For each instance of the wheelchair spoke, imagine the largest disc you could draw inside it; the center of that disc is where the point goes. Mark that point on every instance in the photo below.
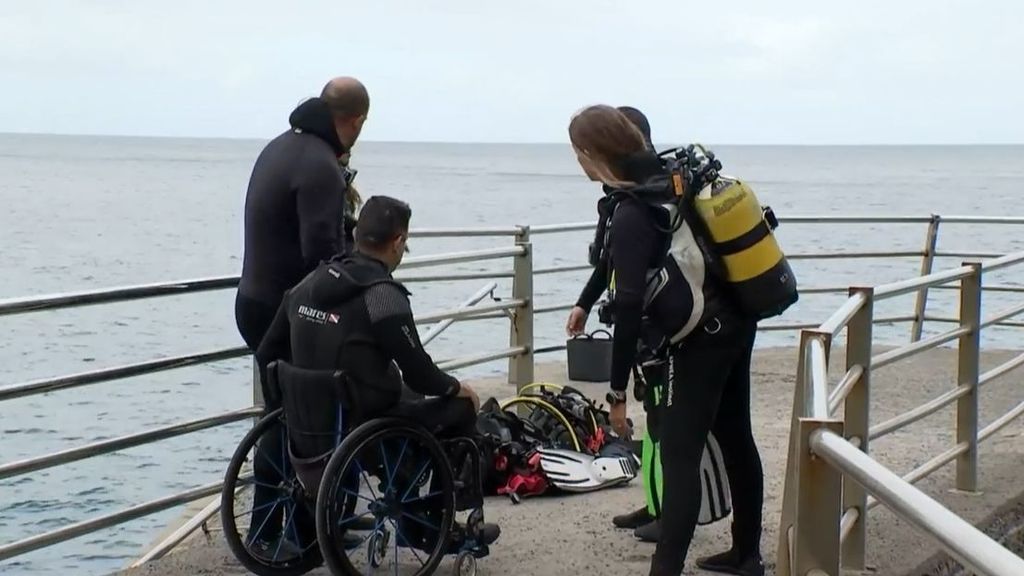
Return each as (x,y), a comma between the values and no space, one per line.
(409,546)
(264,523)
(357,495)
(254,482)
(284,454)
(376,527)
(384,458)
(263,453)
(260,507)
(421,521)
(343,522)
(422,498)
(415,479)
(295,531)
(366,479)
(396,547)
(401,454)
(280,541)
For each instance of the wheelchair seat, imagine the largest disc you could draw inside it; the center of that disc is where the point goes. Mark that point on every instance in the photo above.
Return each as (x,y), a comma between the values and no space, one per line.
(317,405)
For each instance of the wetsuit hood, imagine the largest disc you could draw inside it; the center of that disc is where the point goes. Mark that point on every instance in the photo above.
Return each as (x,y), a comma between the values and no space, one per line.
(648,171)
(347,277)
(641,167)
(314,116)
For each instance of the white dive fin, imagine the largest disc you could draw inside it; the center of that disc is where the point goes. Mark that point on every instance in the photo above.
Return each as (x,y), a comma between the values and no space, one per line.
(575,472)
(716,501)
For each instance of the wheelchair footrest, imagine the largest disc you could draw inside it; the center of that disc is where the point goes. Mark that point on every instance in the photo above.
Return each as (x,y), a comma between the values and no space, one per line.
(477,534)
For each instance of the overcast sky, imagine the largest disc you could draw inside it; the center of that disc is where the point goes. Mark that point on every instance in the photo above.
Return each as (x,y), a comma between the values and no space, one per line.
(751,71)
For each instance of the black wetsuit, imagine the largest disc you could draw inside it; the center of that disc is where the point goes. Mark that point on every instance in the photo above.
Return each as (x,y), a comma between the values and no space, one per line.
(350,315)
(294,209)
(709,373)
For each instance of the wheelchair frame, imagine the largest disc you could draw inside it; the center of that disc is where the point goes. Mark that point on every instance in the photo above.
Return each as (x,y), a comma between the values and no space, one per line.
(329,544)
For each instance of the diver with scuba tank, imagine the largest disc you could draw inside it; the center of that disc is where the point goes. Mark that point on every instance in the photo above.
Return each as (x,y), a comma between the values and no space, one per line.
(691,262)
(647,378)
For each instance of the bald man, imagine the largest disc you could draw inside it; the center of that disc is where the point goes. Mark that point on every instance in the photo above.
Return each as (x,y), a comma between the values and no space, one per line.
(294,208)
(294,215)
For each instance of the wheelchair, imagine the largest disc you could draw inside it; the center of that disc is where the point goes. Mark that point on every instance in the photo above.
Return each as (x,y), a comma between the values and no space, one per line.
(379,496)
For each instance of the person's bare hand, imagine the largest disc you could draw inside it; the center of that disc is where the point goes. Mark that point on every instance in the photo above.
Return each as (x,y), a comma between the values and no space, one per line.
(577,321)
(465,391)
(617,416)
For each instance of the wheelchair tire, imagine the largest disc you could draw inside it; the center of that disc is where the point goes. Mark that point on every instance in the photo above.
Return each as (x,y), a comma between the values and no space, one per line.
(345,461)
(289,490)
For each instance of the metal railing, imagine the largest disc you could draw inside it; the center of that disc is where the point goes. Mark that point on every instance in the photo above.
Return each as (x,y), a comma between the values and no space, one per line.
(832,482)
(520,308)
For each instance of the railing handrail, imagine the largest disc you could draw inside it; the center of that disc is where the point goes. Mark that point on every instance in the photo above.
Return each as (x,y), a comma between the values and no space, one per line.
(25,466)
(190,286)
(966,543)
(21,305)
(848,456)
(521,349)
(821,219)
(66,381)
(177,287)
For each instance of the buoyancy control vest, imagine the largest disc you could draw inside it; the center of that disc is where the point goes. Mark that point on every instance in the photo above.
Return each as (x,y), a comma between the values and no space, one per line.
(681,292)
(330,329)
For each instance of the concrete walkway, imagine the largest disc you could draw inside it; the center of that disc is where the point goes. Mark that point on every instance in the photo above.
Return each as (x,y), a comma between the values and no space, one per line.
(573,534)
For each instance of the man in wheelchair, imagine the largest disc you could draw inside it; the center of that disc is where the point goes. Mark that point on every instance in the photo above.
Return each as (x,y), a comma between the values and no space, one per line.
(349,322)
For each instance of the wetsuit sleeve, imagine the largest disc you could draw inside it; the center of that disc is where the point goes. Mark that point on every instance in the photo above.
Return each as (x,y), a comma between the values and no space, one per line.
(276,345)
(394,330)
(633,240)
(596,286)
(319,197)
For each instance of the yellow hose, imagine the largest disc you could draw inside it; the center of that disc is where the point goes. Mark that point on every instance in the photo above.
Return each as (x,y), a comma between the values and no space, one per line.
(558,388)
(540,385)
(551,409)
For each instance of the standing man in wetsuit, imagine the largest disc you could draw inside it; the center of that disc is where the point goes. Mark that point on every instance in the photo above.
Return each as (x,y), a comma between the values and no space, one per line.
(294,213)
(294,208)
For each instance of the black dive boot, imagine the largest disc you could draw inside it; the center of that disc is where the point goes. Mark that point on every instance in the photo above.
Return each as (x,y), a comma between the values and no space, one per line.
(732,562)
(743,559)
(650,532)
(633,520)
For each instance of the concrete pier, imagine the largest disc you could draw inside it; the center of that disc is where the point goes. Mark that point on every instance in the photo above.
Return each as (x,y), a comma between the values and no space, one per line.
(569,535)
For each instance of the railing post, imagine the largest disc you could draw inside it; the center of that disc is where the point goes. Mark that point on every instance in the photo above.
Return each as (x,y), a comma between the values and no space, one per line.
(967,373)
(856,421)
(927,262)
(818,507)
(790,486)
(520,368)
(257,388)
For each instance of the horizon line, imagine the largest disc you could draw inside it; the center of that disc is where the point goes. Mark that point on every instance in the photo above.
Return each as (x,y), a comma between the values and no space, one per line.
(503,143)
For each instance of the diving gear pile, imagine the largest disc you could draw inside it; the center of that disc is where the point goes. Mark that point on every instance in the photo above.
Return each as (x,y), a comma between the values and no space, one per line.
(561,440)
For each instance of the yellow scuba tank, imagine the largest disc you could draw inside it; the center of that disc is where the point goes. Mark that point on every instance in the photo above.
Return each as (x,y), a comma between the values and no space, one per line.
(742,238)
(737,232)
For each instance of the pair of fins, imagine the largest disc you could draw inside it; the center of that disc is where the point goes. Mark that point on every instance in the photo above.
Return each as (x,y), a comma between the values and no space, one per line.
(576,472)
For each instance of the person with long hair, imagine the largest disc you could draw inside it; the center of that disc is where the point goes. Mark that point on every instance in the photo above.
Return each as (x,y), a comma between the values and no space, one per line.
(643,521)
(660,280)
(352,202)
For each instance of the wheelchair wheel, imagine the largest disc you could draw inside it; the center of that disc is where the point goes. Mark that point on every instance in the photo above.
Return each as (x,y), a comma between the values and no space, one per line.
(400,479)
(267,518)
